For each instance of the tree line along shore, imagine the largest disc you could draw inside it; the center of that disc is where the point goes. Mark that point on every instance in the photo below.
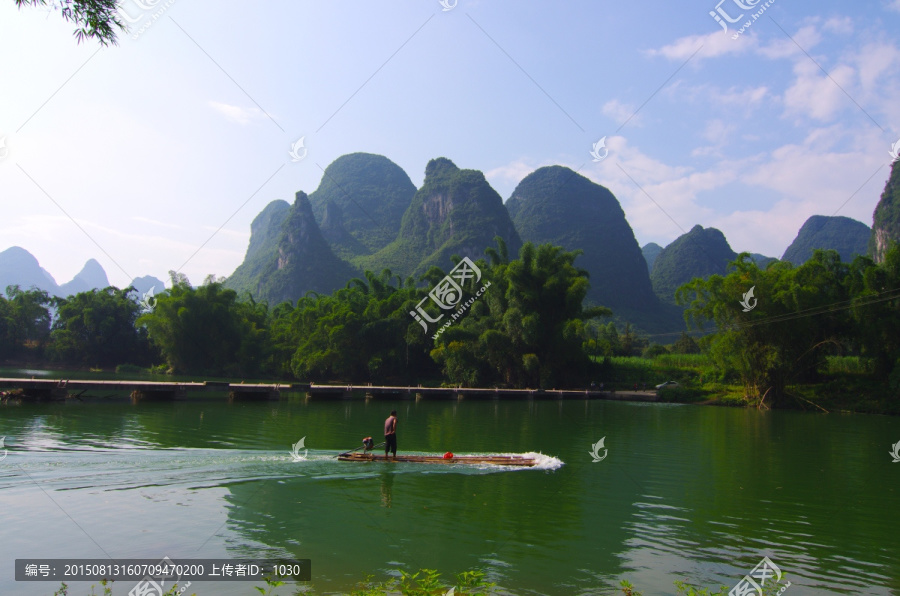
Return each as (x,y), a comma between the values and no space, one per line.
(821,336)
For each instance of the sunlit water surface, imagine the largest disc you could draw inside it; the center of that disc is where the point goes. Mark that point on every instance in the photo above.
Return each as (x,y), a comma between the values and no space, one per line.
(684,492)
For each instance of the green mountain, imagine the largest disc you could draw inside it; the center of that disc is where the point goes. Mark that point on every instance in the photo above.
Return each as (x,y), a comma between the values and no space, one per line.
(360,202)
(847,236)
(762,261)
(650,252)
(886,219)
(265,232)
(555,204)
(699,253)
(456,212)
(298,261)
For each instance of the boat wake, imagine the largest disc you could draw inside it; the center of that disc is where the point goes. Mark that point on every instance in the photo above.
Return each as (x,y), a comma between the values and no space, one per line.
(544,462)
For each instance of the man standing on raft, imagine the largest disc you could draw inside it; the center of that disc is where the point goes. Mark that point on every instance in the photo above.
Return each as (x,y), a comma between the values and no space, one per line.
(390,434)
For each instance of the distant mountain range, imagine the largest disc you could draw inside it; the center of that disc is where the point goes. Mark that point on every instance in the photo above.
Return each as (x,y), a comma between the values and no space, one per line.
(367,214)
(18,267)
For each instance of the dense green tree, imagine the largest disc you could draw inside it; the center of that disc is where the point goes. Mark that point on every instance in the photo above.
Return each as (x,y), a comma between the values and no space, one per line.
(206,330)
(876,312)
(24,321)
(686,345)
(654,350)
(98,328)
(793,325)
(528,328)
(362,332)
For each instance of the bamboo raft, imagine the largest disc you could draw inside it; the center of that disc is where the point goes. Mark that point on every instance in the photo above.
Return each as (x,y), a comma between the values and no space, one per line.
(497,460)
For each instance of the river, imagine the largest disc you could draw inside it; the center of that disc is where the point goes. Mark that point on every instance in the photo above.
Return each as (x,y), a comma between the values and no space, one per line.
(683,492)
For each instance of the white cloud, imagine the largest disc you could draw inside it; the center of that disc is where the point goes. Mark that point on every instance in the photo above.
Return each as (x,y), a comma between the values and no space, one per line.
(816,95)
(745,98)
(877,62)
(840,25)
(815,177)
(719,133)
(509,174)
(621,113)
(894,5)
(714,44)
(236,113)
(806,38)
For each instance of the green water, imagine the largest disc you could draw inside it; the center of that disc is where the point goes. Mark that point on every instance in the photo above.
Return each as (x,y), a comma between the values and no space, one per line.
(685,492)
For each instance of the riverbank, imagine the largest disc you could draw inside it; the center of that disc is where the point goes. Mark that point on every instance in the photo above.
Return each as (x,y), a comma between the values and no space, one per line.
(845,385)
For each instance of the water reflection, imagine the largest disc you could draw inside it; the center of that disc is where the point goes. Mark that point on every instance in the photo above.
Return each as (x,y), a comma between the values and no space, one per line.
(387,487)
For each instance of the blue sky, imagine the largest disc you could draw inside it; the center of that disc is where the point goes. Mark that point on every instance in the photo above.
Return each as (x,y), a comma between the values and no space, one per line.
(157,153)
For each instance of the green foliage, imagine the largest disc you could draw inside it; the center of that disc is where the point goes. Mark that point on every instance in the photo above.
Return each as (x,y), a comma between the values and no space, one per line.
(803,315)
(622,372)
(654,350)
(271,584)
(206,330)
(527,329)
(105,583)
(853,365)
(605,340)
(686,345)
(360,332)
(426,582)
(98,328)
(24,321)
(847,236)
(689,590)
(97,19)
